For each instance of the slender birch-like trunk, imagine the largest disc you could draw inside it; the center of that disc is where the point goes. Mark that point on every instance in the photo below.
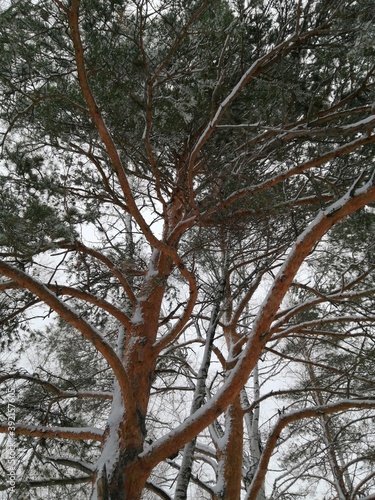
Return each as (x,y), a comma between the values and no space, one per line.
(199,393)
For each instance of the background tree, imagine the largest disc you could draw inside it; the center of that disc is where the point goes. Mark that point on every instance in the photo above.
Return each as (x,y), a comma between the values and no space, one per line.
(185,186)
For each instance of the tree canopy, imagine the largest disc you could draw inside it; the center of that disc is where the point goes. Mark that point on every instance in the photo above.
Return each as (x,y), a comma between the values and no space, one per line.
(186,248)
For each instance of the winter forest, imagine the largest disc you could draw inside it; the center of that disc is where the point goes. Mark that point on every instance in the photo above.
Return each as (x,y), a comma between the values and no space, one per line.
(187,264)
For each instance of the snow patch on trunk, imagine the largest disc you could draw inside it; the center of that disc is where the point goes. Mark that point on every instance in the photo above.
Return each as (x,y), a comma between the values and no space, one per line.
(111,450)
(137,318)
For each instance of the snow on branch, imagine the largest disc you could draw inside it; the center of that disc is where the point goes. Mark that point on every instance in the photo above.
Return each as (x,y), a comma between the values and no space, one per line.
(77,434)
(49,482)
(261,325)
(54,389)
(292,172)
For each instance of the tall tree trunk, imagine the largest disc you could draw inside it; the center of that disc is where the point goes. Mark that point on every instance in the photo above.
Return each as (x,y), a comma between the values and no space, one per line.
(252,421)
(230,461)
(126,483)
(116,477)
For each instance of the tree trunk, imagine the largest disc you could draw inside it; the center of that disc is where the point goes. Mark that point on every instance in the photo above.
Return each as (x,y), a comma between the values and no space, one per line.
(255,443)
(127,483)
(230,462)
(120,475)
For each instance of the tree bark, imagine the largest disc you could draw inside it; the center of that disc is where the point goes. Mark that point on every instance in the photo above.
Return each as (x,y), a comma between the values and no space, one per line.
(230,462)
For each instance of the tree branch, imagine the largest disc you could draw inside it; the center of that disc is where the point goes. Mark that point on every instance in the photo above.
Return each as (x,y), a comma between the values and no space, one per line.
(287,419)
(260,332)
(73,318)
(54,389)
(76,434)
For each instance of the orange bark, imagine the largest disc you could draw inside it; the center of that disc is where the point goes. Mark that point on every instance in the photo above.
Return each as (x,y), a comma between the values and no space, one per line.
(230,462)
(55,432)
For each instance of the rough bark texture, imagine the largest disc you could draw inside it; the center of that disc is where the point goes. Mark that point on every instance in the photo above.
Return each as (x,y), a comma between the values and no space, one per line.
(230,461)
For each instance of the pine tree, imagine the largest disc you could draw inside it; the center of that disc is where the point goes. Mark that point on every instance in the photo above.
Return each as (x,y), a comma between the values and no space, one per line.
(186,199)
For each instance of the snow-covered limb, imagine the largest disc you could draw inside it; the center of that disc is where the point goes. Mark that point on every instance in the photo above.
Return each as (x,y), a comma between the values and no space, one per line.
(320,322)
(204,458)
(239,125)
(110,453)
(49,482)
(205,450)
(54,389)
(302,131)
(75,433)
(260,331)
(288,418)
(257,68)
(282,132)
